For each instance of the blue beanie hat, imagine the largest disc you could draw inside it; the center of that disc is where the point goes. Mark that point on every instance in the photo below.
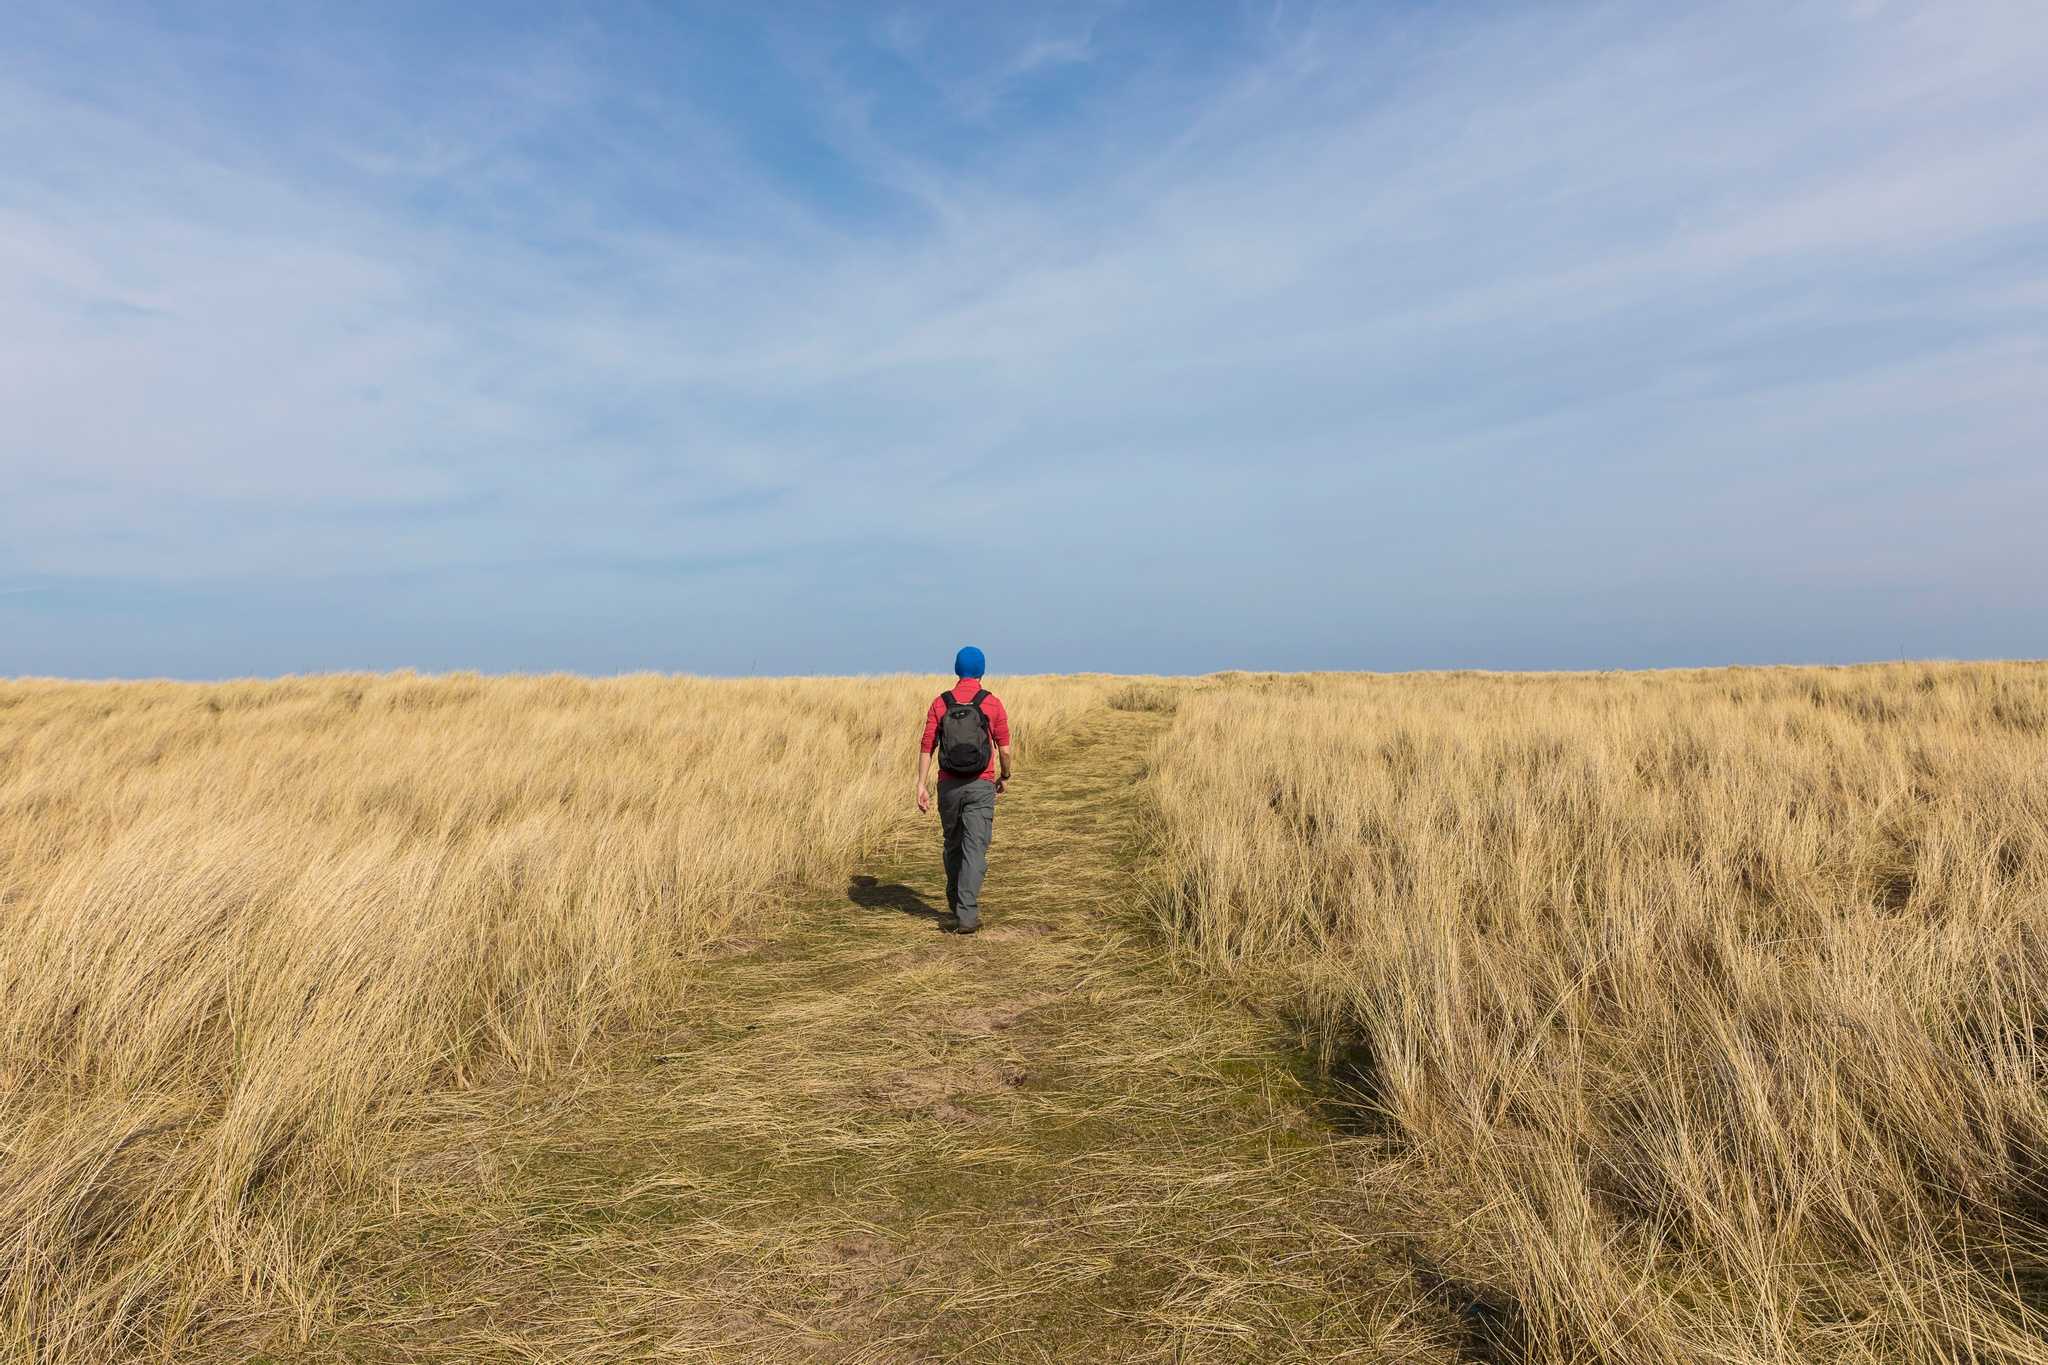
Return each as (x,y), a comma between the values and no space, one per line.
(968,663)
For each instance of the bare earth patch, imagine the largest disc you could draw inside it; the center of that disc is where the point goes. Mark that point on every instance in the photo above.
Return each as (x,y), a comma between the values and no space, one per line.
(937,1093)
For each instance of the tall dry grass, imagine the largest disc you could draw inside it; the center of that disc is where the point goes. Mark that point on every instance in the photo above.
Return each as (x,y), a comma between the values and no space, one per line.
(243,927)
(1703,1016)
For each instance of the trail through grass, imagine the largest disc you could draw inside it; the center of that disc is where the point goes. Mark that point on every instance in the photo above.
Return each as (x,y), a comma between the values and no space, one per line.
(863,1139)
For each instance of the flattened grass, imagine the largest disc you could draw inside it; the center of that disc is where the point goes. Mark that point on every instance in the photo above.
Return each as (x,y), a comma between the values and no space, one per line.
(864,1140)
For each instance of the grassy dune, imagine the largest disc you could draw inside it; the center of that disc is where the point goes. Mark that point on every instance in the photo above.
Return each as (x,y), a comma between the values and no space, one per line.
(1680,1017)
(1703,1015)
(244,927)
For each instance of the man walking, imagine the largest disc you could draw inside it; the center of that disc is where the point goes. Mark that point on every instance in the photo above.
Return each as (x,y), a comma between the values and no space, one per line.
(969,729)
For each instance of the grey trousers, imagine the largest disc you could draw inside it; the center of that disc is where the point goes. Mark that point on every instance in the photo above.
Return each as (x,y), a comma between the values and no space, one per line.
(967,814)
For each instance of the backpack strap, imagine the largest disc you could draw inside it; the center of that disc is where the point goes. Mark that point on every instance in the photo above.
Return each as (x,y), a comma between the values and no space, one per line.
(980,696)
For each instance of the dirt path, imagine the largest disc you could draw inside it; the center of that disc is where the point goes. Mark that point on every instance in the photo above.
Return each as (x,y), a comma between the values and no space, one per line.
(867,1140)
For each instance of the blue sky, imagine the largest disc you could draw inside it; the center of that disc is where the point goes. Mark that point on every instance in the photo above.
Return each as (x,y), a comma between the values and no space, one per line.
(737,337)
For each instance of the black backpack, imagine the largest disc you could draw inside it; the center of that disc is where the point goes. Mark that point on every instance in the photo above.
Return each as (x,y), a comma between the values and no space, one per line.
(964,745)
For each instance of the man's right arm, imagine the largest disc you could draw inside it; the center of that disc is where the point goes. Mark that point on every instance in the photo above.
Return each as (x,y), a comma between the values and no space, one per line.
(924,759)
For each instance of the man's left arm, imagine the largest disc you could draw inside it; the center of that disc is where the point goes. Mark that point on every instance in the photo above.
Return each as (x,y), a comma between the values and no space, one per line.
(999,726)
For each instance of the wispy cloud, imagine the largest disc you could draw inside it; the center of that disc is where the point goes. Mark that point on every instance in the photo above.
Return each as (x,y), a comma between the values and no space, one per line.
(1401,306)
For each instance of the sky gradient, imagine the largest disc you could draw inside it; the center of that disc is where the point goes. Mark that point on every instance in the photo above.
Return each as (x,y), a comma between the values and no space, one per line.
(1159,338)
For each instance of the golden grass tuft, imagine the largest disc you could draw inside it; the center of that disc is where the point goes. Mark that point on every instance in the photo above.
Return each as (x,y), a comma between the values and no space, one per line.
(1146,696)
(248,926)
(1704,1015)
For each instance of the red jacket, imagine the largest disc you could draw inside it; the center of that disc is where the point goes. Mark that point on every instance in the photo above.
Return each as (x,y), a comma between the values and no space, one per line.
(998,724)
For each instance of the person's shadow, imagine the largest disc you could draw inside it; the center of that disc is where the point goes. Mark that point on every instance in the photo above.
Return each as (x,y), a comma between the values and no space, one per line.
(870,894)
